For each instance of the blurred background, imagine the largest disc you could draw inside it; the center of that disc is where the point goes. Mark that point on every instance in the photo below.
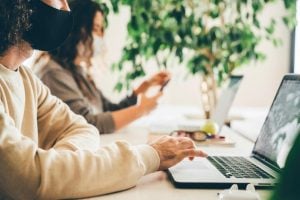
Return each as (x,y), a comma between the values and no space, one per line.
(261,78)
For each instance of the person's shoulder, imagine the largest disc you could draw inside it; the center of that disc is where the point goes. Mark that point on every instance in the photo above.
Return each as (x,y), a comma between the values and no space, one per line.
(28,76)
(49,68)
(288,187)
(25,71)
(32,72)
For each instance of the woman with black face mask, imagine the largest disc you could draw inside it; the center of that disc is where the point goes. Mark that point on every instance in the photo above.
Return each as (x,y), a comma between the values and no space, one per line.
(68,74)
(47,151)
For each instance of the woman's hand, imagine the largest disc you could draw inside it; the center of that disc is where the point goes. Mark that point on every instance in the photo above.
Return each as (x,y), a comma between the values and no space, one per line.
(156,80)
(146,104)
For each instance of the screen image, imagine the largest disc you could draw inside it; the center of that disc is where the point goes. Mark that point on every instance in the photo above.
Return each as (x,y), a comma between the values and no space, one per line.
(282,124)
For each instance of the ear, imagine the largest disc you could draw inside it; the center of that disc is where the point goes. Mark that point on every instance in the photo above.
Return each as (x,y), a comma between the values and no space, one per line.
(58,4)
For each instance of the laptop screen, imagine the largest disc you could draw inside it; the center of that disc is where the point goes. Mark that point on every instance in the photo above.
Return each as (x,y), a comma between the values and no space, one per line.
(282,123)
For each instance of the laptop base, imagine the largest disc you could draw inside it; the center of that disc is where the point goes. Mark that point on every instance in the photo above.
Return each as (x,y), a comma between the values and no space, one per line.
(203,185)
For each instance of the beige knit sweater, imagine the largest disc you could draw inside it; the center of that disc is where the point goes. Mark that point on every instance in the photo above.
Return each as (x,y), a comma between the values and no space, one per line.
(48,152)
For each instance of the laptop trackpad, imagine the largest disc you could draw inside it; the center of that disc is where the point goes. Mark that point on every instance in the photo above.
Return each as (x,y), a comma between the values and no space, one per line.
(198,169)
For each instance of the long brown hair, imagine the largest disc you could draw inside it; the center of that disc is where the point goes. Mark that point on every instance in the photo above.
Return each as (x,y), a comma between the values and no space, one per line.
(84,12)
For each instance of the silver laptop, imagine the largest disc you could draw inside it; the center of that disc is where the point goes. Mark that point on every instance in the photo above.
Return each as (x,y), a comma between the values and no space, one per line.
(220,113)
(271,148)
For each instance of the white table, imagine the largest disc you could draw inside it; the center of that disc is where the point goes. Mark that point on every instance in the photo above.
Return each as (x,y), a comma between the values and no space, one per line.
(156,186)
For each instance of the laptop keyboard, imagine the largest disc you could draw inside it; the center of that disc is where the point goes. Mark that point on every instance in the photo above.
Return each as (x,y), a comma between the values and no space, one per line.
(238,167)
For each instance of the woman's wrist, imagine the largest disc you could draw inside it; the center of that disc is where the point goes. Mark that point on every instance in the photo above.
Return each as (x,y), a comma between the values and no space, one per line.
(140,110)
(142,88)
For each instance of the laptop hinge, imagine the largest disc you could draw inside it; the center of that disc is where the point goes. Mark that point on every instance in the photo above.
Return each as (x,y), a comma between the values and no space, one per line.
(266,162)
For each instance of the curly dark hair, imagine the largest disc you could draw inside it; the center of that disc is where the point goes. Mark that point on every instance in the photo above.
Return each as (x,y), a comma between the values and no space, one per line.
(14,21)
(84,12)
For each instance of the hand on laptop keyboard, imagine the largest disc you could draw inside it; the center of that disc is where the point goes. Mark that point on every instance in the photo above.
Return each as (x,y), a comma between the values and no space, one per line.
(172,150)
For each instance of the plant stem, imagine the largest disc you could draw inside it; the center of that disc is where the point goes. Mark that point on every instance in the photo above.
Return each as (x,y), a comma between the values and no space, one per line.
(157,61)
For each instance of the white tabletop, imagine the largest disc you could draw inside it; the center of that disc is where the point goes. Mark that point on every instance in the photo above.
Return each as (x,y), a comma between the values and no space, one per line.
(157,185)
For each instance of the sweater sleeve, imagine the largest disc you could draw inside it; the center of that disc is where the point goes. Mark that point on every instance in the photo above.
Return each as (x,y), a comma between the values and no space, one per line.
(60,127)
(68,170)
(63,85)
(124,103)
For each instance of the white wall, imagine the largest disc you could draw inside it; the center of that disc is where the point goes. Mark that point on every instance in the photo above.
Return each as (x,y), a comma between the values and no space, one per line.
(262,79)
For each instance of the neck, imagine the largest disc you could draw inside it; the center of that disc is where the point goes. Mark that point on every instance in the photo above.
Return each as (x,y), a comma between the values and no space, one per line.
(15,56)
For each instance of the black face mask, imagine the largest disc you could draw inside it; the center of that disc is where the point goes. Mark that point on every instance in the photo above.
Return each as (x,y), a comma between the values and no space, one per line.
(49,26)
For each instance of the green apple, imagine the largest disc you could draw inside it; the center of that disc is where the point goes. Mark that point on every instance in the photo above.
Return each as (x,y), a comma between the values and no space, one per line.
(210,127)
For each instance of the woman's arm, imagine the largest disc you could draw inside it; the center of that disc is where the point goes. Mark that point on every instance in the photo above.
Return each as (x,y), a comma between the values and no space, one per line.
(144,105)
(61,127)
(72,165)
(109,106)
(29,172)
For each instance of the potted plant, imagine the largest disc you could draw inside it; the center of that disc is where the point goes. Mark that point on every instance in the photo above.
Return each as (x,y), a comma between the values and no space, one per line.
(212,38)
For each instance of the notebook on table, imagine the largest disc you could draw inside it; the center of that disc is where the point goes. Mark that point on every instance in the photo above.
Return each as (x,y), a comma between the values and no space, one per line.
(268,156)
